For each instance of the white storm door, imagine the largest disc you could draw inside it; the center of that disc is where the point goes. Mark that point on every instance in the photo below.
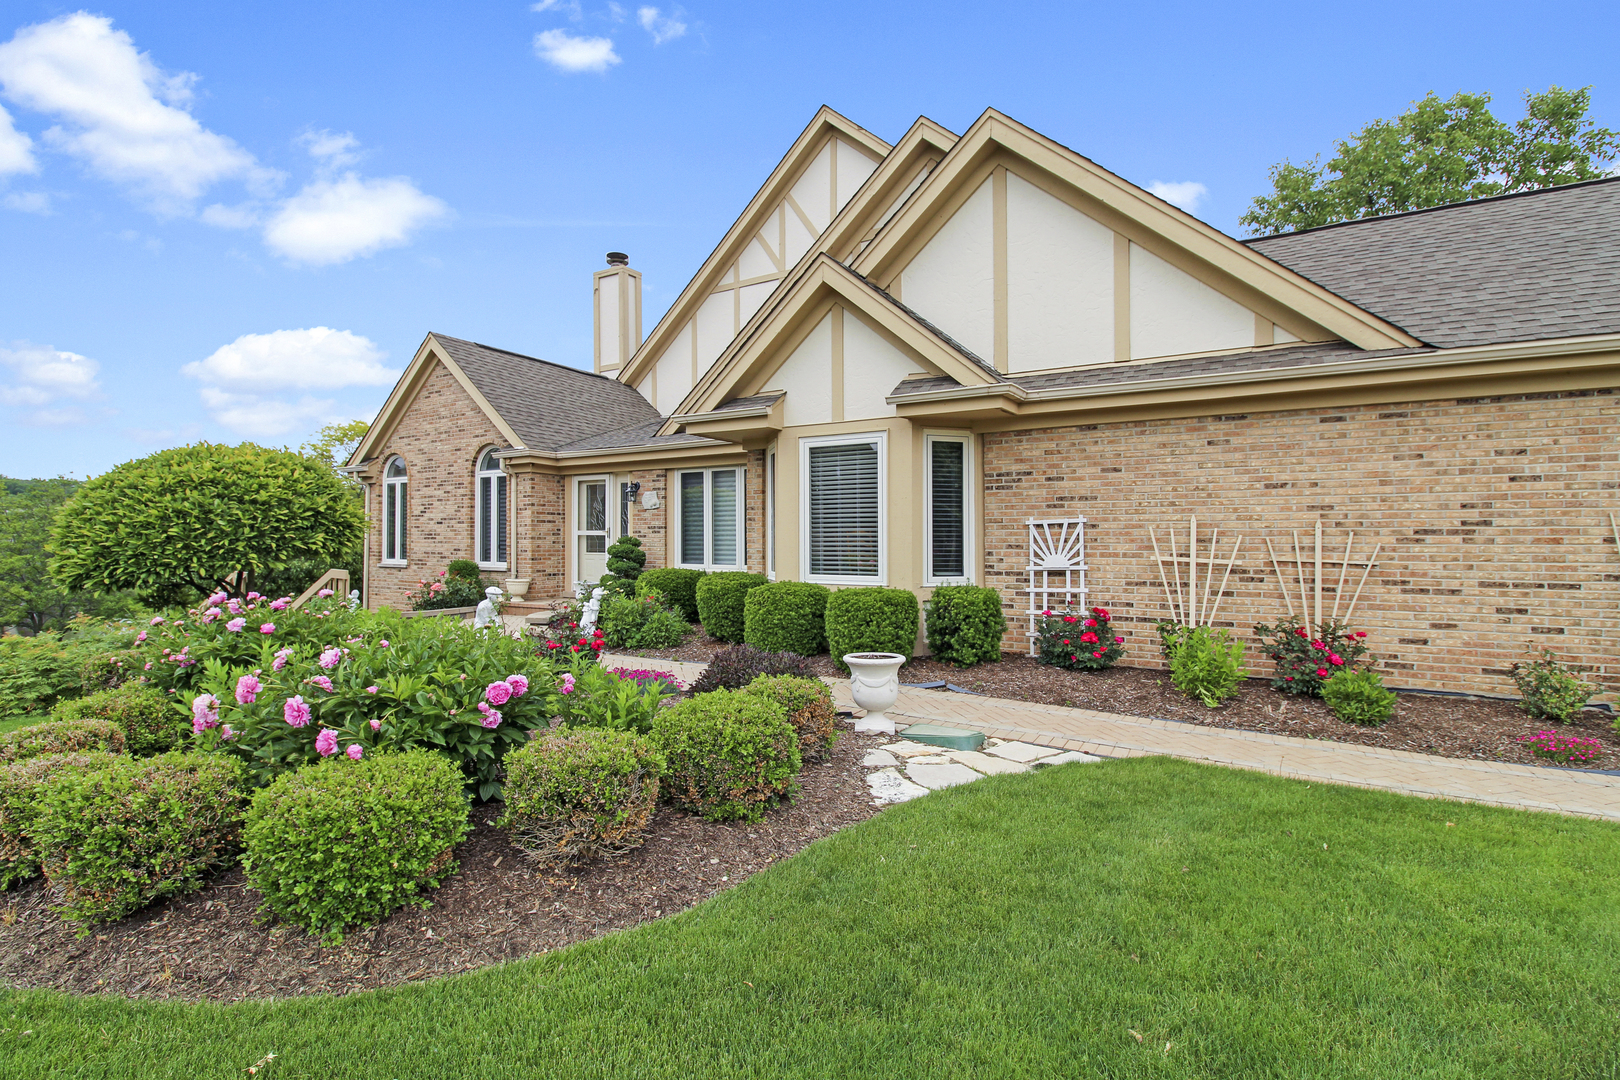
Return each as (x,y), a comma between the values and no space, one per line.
(591,532)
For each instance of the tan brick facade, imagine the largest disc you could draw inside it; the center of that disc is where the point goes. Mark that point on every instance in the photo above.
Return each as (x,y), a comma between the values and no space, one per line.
(1492,514)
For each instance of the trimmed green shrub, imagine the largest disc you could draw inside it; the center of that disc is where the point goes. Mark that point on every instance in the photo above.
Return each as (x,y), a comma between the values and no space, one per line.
(20,785)
(61,737)
(809,708)
(1358,697)
(145,715)
(625,560)
(112,840)
(1207,666)
(736,667)
(630,622)
(347,842)
(678,586)
(572,795)
(728,755)
(871,620)
(720,600)
(1548,690)
(786,616)
(964,624)
(466,570)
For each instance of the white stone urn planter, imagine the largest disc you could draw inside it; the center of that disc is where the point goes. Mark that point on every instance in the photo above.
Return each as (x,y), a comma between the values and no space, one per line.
(874,679)
(516,587)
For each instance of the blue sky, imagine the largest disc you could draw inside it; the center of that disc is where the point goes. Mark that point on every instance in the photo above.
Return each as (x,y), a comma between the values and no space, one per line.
(228,221)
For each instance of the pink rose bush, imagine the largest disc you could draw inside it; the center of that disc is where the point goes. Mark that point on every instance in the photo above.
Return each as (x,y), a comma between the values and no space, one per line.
(1304,662)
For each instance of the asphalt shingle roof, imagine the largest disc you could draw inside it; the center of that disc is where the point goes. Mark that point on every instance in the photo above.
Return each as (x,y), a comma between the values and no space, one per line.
(1542,264)
(642,433)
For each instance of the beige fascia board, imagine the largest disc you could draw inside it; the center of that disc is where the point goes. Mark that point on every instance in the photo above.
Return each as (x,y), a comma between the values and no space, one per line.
(1131,211)
(748,427)
(625,457)
(824,124)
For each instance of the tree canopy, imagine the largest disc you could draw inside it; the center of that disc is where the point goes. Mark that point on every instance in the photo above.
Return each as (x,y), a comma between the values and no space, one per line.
(1439,152)
(201,517)
(28,596)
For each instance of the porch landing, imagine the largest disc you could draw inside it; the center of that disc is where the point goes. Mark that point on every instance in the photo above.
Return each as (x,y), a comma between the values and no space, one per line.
(1564,791)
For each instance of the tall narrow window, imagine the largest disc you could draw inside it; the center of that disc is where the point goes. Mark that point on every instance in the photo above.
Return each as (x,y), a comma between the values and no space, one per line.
(711,518)
(489,534)
(694,552)
(394,513)
(770,513)
(947,516)
(844,521)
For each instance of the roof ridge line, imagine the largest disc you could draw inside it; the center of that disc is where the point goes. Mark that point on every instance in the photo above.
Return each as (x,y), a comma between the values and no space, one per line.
(526,356)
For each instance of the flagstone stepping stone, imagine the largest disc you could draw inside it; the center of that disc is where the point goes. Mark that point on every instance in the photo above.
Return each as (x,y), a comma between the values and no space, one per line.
(877,759)
(888,786)
(1064,758)
(906,748)
(1018,751)
(935,777)
(928,759)
(978,762)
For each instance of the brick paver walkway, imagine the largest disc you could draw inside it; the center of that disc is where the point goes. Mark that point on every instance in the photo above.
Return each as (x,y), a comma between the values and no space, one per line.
(1566,791)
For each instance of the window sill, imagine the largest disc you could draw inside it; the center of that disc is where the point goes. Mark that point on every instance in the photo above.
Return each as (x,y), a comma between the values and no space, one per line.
(935,583)
(493,566)
(817,579)
(393,564)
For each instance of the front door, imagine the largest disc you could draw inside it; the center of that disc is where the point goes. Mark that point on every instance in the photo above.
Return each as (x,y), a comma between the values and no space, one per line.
(591,530)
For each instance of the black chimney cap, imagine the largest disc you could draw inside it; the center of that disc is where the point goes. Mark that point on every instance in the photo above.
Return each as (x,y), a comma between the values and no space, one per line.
(618,258)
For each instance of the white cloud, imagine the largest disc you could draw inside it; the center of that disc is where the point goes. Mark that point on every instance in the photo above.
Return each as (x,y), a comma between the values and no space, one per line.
(259,417)
(332,150)
(16,148)
(333,221)
(316,358)
(29,202)
(1186,194)
(566,52)
(565,7)
(662,28)
(36,376)
(243,216)
(121,115)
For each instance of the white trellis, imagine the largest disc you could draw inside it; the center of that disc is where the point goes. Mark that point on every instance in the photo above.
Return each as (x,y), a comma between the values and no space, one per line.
(1055,547)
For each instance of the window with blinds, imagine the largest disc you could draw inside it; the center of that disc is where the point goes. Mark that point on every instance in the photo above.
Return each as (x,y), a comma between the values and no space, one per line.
(947,516)
(490,539)
(711,517)
(845,524)
(693,548)
(394,515)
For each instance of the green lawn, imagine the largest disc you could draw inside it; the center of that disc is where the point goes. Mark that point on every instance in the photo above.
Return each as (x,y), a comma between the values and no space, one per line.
(1022,926)
(12,723)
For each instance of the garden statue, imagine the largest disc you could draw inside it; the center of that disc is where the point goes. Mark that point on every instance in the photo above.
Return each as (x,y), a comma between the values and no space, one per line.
(354,599)
(593,607)
(485,615)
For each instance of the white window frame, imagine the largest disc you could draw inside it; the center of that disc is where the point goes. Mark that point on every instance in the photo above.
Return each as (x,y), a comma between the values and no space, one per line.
(497,475)
(881,438)
(770,512)
(677,512)
(579,533)
(968,525)
(399,526)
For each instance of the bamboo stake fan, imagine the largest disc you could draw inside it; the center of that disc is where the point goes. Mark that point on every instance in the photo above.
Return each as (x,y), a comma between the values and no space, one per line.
(1188,607)
(1310,599)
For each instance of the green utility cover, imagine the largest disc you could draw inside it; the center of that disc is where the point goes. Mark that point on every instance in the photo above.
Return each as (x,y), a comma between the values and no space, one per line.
(952,738)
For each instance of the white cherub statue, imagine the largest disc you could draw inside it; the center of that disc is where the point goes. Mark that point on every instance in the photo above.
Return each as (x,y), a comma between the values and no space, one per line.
(593,607)
(485,615)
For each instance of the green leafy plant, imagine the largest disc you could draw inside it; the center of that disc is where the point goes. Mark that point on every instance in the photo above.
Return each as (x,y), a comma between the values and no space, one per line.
(1359,697)
(1305,662)
(728,755)
(964,624)
(1548,690)
(1171,635)
(590,696)
(61,737)
(871,620)
(641,622)
(786,616)
(147,717)
(347,842)
(113,839)
(573,795)
(720,602)
(677,585)
(446,591)
(809,708)
(37,672)
(20,785)
(1078,640)
(466,570)
(1208,666)
(736,667)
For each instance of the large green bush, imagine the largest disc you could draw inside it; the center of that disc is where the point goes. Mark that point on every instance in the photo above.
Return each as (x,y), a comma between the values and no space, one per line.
(145,715)
(61,737)
(871,620)
(787,616)
(964,624)
(1208,666)
(728,755)
(720,600)
(112,840)
(641,622)
(37,672)
(21,783)
(571,795)
(809,707)
(677,585)
(1358,697)
(347,842)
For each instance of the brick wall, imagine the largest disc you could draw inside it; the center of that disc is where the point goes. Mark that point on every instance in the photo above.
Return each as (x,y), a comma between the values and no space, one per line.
(651,527)
(1492,515)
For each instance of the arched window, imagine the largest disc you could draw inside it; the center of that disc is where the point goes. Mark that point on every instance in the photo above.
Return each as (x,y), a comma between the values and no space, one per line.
(489,533)
(394,512)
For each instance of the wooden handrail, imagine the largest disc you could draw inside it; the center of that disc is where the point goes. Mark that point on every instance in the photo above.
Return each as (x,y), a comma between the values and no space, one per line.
(335,579)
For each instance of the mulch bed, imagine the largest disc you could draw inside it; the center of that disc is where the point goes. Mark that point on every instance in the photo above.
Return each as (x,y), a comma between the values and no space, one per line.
(1485,729)
(498,906)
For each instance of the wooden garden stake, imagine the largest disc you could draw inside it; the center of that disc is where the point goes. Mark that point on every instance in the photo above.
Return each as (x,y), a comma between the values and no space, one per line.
(1168,595)
(1209,573)
(1192,568)
(1363,581)
(1299,569)
(1317,581)
(1344,567)
(1222,590)
(1287,597)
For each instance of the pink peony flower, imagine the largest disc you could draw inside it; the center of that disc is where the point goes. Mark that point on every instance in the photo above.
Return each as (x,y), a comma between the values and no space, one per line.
(233,607)
(492,719)
(157,620)
(324,593)
(295,711)
(326,742)
(204,712)
(383,644)
(321,681)
(568,683)
(255,596)
(267,628)
(371,689)
(354,751)
(218,598)
(498,693)
(247,688)
(281,659)
(331,658)
(280,605)
(376,725)
(235,625)
(519,685)
(140,636)
(226,733)
(148,666)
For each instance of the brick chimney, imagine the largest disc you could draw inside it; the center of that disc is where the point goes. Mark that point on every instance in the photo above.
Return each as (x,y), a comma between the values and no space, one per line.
(616,296)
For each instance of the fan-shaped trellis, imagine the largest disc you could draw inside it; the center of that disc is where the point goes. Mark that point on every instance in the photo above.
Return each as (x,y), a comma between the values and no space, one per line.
(1055,547)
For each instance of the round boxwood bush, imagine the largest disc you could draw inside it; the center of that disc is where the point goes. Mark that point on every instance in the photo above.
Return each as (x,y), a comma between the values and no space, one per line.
(342,842)
(964,624)
(575,794)
(871,620)
(809,708)
(729,755)
(61,737)
(115,838)
(143,713)
(465,569)
(21,783)
(720,600)
(786,616)
(1358,697)
(677,586)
